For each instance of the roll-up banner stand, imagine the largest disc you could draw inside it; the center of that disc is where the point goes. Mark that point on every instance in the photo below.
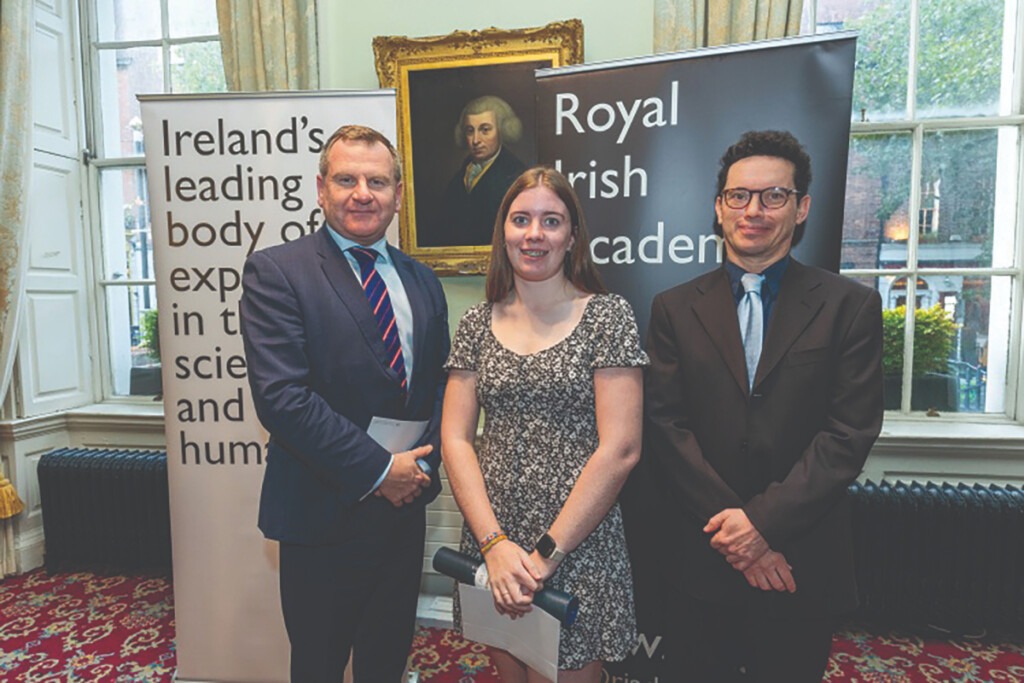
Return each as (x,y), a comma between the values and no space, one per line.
(227,175)
(640,141)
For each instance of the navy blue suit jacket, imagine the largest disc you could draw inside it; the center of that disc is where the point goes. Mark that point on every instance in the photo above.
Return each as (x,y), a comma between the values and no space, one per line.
(318,374)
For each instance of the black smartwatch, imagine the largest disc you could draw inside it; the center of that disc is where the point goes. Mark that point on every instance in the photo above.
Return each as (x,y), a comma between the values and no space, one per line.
(547,548)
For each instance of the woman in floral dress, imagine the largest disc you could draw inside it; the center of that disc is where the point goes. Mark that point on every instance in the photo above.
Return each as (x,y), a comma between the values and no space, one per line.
(555,363)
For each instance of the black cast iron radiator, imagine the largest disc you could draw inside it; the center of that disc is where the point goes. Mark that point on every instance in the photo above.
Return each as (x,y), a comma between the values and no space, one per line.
(946,555)
(105,509)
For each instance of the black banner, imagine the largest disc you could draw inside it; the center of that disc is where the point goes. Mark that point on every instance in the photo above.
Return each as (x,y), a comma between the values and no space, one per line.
(640,141)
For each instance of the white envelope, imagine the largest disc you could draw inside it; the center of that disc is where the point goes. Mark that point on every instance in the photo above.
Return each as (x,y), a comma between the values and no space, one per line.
(396,435)
(532,638)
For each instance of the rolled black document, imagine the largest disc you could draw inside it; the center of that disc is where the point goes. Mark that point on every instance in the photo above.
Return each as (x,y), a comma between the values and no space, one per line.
(464,568)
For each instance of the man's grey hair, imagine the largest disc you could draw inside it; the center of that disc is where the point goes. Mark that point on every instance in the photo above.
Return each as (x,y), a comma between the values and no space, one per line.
(509,125)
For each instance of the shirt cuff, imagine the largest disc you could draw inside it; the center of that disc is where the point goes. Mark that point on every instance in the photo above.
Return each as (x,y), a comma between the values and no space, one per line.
(380,480)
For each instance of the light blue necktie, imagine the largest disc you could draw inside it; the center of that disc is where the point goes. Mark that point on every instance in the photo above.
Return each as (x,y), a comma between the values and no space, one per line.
(751,314)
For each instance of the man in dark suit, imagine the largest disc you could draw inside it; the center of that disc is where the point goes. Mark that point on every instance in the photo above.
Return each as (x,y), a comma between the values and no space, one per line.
(755,443)
(470,202)
(339,328)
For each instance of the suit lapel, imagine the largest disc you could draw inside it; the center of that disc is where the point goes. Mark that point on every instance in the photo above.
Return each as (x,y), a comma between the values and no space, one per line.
(716,311)
(346,285)
(801,296)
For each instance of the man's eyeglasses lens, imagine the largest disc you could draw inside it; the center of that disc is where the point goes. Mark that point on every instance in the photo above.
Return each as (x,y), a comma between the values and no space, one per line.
(771,197)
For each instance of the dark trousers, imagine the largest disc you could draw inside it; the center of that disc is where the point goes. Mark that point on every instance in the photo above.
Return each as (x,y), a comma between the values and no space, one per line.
(357,595)
(765,641)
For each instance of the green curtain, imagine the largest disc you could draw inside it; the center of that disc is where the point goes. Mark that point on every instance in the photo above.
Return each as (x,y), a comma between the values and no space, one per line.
(269,44)
(15,170)
(688,24)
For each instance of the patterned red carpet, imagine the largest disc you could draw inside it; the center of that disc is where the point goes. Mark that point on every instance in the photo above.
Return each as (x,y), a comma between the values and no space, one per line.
(84,627)
(77,628)
(861,657)
(857,657)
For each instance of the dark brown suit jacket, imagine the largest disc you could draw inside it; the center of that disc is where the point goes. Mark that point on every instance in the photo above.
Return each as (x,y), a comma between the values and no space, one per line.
(787,450)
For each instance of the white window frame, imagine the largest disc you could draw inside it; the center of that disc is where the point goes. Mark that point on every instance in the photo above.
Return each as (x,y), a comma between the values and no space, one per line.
(917,128)
(96,163)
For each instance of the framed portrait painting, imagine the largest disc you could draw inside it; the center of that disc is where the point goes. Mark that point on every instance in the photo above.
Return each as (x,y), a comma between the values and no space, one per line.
(466,117)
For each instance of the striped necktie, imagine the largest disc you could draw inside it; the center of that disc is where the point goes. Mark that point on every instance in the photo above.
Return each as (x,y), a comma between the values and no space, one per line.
(751,314)
(377,294)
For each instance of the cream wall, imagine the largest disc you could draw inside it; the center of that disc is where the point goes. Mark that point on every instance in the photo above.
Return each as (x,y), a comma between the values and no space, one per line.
(612,30)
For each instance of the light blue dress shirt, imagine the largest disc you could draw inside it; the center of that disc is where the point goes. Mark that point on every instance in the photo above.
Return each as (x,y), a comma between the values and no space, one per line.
(399,304)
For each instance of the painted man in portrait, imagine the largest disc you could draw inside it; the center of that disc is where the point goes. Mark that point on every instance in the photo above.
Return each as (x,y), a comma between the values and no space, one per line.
(471,200)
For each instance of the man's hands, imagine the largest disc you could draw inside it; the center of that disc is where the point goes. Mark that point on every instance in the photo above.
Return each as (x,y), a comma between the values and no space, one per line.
(747,551)
(405,480)
(736,538)
(771,572)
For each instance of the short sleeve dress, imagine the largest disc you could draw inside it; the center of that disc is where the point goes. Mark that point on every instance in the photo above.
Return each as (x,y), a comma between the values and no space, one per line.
(540,429)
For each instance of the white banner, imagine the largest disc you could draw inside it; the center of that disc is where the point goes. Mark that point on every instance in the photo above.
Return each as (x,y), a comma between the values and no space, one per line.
(227,175)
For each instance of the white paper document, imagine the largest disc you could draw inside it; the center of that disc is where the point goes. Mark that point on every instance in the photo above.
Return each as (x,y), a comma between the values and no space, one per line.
(532,638)
(394,435)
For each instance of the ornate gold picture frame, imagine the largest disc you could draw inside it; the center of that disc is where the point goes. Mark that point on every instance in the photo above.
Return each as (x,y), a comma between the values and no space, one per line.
(466,125)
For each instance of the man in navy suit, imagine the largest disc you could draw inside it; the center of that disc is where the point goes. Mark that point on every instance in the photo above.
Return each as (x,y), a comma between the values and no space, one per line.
(339,328)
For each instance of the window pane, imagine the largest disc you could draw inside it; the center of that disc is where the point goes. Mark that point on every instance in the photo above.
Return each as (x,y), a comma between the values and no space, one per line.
(968,328)
(958,181)
(894,297)
(880,78)
(959,57)
(961,341)
(1004,237)
(188,18)
(134,345)
(197,67)
(127,236)
(128,19)
(123,74)
(981,353)
(893,292)
(875,228)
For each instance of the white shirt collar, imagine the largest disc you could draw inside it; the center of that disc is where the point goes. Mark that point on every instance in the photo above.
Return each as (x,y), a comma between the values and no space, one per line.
(380,246)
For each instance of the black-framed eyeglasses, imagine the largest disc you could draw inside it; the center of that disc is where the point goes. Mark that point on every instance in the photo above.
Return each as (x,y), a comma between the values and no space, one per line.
(771,197)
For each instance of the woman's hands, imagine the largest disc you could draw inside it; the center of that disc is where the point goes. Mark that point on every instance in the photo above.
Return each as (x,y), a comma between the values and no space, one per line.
(514,577)
(547,567)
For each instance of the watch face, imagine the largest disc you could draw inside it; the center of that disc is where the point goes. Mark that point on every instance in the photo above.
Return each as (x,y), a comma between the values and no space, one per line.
(545,546)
